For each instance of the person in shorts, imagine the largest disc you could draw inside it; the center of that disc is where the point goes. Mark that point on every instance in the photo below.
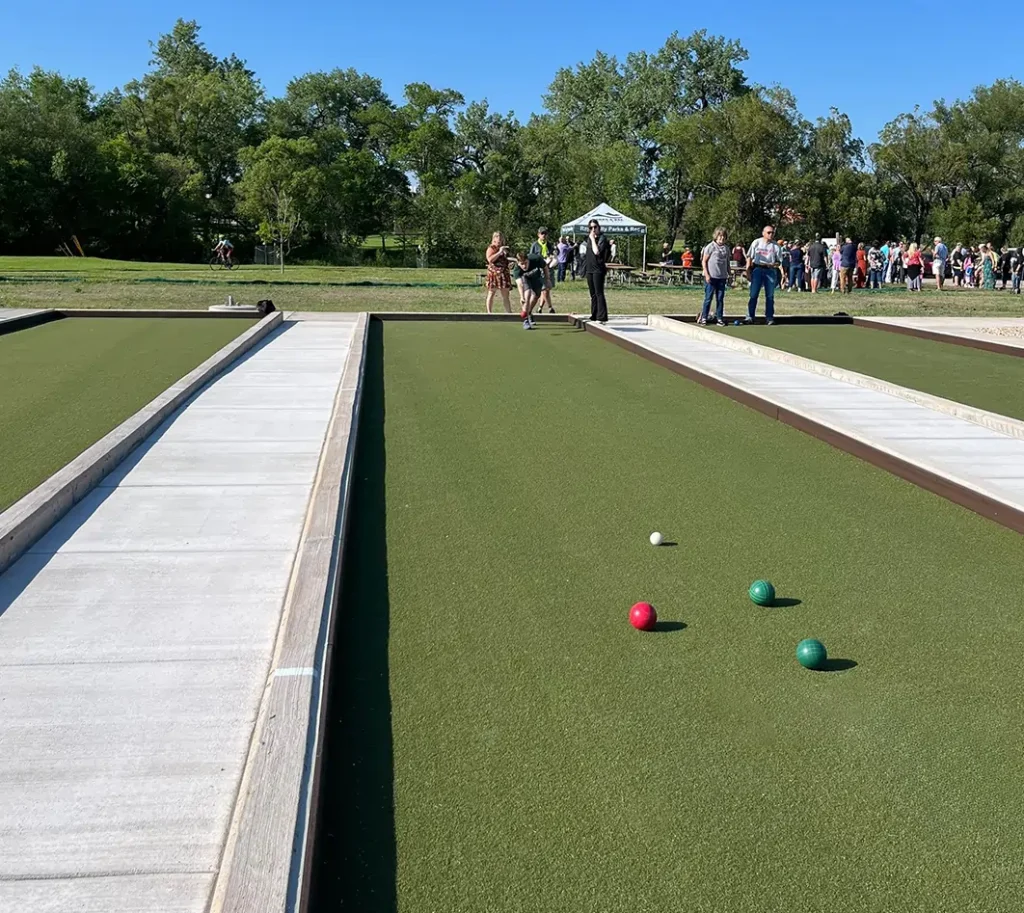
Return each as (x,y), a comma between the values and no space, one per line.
(816,254)
(939,258)
(224,250)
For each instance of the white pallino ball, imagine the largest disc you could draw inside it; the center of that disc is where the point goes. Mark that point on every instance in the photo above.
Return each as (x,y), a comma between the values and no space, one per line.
(656,539)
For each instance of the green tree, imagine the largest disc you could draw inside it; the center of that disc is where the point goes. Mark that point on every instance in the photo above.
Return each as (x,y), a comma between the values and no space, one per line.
(962,220)
(280,188)
(739,160)
(195,107)
(423,142)
(912,154)
(636,102)
(48,162)
(349,117)
(984,135)
(156,201)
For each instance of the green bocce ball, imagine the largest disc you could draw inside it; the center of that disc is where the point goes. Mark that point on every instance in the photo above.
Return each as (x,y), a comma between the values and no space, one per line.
(811,654)
(762,593)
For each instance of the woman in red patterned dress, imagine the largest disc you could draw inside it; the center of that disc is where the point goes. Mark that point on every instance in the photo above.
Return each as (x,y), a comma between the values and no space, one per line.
(498,278)
(862,266)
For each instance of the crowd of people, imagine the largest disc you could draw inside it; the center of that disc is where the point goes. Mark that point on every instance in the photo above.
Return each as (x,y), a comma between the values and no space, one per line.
(831,264)
(847,266)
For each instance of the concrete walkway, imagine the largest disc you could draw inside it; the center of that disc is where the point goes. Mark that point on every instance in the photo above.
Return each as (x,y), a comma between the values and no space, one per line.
(968,455)
(1007,331)
(7,314)
(136,637)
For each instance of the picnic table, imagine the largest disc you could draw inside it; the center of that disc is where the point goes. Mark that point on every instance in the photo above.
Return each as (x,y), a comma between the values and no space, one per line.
(620,271)
(674,271)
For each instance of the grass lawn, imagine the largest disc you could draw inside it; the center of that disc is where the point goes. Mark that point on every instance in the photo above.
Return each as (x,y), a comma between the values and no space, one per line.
(986,380)
(503,740)
(68,382)
(42,282)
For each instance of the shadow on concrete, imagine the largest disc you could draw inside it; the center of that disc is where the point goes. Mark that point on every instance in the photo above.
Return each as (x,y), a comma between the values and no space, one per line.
(354,855)
(17,578)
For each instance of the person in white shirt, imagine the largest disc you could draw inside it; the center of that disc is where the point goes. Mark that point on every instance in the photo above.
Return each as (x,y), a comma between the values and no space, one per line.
(764,260)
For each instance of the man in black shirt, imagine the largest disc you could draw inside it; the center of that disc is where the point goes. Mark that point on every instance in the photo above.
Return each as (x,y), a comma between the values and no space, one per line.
(957,261)
(847,266)
(599,252)
(816,254)
(1004,265)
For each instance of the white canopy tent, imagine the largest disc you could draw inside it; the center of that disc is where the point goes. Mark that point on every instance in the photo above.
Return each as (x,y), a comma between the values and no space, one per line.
(612,222)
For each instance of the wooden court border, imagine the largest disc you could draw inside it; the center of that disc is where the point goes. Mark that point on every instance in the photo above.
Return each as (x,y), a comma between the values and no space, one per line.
(967,497)
(970,343)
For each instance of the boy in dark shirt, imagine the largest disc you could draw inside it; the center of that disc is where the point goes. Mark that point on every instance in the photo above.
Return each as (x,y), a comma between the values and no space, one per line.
(532,271)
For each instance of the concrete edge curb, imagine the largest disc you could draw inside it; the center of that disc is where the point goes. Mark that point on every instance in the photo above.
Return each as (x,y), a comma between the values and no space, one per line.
(937,335)
(28,519)
(1001,424)
(146,312)
(633,320)
(932,479)
(464,315)
(265,866)
(33,318)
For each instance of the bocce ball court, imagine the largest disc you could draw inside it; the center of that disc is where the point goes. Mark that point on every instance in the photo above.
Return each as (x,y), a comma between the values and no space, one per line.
(67,382)
(988,380)
(501,738)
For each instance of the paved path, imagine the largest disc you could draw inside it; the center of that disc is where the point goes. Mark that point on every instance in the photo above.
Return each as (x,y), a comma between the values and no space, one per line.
(1008,331)
(976,457)
(14,313)
(136,637)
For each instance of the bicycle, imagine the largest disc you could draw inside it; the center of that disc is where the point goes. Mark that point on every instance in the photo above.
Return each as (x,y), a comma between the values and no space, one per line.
(222,262)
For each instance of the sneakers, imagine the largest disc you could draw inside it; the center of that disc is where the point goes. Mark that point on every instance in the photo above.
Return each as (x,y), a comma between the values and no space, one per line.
(527,325)
(701,322)
(748,319)
(769,323)
(720,322)
(529,320)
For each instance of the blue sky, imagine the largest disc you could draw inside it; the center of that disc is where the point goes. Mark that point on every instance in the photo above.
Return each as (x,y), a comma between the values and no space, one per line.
(871,74)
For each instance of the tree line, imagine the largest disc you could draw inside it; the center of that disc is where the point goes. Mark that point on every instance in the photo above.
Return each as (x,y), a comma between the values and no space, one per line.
(678,138)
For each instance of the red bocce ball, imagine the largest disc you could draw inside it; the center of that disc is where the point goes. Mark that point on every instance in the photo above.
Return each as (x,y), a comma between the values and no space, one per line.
(643,617)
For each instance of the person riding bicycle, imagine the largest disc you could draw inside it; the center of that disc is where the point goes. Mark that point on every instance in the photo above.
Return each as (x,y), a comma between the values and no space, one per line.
(224,249)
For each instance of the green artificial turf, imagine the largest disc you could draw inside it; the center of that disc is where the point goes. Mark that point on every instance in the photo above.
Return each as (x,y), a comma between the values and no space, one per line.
(986,380)
(502,739)
(68,382)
